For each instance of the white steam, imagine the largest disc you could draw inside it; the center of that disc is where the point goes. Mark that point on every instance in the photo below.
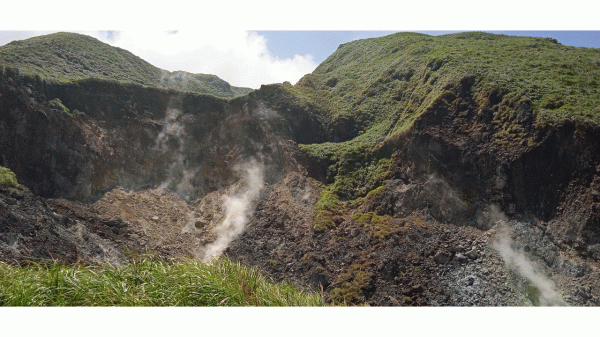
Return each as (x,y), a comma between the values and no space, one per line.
(517,261)
(179,175)
(238,208)
(490,216)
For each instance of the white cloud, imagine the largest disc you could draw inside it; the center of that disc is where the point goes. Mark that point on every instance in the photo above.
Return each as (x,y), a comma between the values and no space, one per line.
(237,56)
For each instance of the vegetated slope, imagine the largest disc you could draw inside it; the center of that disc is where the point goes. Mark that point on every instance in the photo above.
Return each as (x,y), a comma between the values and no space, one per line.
(69,57)
(369,78)
(452,141)
(382,85)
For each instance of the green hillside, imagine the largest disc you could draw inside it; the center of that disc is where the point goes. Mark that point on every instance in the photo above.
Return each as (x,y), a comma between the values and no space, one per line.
(386,83)
(68,57)
(373,77)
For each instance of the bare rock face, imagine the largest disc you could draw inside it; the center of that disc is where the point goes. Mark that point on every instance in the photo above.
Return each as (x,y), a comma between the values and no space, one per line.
(28,229)
(442,257)
(451,186)
(32,229)
(80,141)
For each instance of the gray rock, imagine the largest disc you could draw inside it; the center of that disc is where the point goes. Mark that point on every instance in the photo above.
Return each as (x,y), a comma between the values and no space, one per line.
(442,257)
(394,301)
(584,292)
(320,278)
(461,258)
(472,254)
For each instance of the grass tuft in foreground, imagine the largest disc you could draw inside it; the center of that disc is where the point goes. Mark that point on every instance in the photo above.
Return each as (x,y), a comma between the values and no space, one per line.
(149,281)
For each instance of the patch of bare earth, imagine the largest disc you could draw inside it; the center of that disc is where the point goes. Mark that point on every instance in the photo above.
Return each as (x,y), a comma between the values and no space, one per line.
(160,215)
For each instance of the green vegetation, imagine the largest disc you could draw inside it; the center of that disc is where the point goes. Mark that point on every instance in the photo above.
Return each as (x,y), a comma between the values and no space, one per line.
(379,225)
(56,103)
(147,281)
(393,78)
(9,179)
(352,282)
(384,84)
(70,57)
(326,209)
(354,167)
(358,201)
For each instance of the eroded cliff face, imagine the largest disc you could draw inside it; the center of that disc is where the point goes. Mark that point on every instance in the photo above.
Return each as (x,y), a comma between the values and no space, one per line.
(538,174)
(68,152)
(102,135)
(464,174)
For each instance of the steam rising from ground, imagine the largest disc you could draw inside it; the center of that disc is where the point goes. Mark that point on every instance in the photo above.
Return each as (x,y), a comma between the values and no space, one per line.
(179,175)
(517,261)
(238,208)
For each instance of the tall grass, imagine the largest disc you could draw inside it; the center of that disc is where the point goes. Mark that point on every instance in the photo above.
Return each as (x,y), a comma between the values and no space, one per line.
(149,281)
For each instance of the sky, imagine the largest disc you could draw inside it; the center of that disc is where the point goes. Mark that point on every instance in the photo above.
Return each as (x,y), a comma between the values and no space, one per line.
(265,41)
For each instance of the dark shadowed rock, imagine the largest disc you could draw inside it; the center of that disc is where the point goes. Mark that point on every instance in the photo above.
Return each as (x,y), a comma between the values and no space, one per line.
(442,257)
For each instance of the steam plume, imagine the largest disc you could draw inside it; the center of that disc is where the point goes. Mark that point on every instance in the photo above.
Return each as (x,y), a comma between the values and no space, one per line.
(238,208)
(179,175)
(517,261)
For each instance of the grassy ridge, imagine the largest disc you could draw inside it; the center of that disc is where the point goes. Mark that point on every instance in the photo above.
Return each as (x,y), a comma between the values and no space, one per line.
(372,78)
(68,57)
(147,282)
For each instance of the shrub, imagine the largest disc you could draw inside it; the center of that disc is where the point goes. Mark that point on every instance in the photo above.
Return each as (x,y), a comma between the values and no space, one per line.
(8,178)
(351,283)
(56,103)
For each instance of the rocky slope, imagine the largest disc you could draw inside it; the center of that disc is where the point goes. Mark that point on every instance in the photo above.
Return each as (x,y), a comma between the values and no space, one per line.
(429,172)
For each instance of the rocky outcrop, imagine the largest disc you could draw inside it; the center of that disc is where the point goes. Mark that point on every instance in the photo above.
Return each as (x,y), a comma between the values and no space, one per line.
(81,140)
(31,230)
